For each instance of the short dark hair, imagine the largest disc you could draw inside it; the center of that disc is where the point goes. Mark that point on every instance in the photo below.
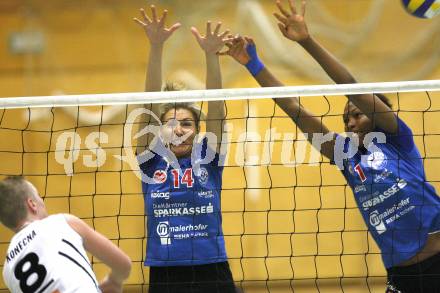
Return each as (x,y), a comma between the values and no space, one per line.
(14,191)
(381,97)
(384,99)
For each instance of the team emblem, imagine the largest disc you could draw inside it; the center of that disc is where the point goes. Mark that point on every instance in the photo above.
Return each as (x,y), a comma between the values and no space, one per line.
(348,166)
(350,169)
(377,160)
(203,176)
(160,176)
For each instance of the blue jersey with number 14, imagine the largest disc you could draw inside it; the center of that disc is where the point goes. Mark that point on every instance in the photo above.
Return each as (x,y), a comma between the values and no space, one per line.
(184,222)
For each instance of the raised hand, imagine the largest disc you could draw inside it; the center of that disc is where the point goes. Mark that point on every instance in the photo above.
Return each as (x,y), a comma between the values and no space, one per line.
(154,27)
(292,24)
(213,41)
(237,49)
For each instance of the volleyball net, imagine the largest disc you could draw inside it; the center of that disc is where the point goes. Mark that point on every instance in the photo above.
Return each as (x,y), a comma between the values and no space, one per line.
(289,219)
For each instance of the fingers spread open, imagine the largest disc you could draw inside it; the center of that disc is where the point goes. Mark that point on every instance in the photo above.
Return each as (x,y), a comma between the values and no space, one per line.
(282,10)
(226,33)
(292,6)
(145,16)
(138,21)
(174,27)
(208,28)
(196,33)
(164,16)
(282,28)
(280,18)
(217,28)
(153,13)
(249,40)
(303,8)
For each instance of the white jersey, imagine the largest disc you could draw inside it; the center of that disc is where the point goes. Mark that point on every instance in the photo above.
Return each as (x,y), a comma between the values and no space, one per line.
(48,256)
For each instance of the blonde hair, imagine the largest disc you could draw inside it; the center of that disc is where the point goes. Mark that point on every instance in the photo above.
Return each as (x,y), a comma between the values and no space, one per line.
(192,107)
(172,86)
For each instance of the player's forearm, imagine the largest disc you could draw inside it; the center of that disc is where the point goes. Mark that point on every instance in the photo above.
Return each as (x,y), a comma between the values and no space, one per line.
(153,81)
(331,65)
(112,256)
(290,106)
(265,78)
(213,73)
(120,273)
(102,248)
(144,120)
(216,109)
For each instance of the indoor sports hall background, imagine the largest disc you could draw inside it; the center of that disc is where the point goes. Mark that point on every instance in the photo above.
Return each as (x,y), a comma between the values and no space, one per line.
(285,227)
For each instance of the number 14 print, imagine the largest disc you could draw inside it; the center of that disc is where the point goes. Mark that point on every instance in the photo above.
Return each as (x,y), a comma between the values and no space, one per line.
(187,178)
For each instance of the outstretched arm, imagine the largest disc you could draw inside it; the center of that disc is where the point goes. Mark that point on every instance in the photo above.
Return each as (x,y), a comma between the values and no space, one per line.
(243,50)
(157,33)
(293,26)
(102,248)
(212,42)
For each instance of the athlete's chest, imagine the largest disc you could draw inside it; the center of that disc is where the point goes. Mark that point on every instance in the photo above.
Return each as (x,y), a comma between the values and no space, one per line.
(376,177)
(379,167)
(184,183)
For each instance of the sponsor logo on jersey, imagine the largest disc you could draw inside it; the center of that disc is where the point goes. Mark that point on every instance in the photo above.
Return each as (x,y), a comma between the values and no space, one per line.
(403,203)
(189,231)
(206,194)
(163,230)
(376,222)
(189,227)
(382,176)
(198,210)
(203,176)
(359,188)
(363,198)
(393,213)
(348,166)
(165,195)
(396,187)
(377,160)
(350,169)
(160,176)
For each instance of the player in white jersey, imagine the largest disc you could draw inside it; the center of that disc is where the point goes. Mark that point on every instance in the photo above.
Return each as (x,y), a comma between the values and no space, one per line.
(48,253)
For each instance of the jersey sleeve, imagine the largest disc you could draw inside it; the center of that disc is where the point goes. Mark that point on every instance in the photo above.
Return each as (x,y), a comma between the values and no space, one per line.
(6,276)
(403,139)
(147,160)
(60,224)
(218,159)
(344,142)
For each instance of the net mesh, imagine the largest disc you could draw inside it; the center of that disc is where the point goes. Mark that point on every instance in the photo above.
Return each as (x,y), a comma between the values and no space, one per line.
(290,221)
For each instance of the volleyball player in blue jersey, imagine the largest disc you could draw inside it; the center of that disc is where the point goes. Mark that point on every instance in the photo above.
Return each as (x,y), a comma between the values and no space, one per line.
(182,186)
(385,170)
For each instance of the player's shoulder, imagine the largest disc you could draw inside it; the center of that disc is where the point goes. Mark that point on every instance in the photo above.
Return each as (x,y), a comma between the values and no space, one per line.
(58,224)
(55,219)
(150,160)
